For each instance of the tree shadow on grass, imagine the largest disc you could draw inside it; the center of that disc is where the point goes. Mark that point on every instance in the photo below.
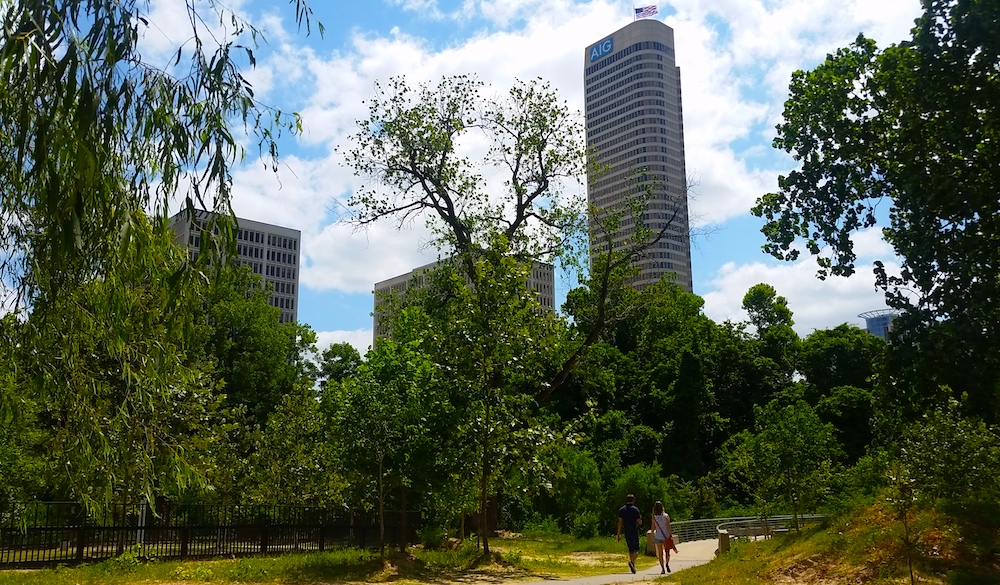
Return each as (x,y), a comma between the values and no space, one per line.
(397,566)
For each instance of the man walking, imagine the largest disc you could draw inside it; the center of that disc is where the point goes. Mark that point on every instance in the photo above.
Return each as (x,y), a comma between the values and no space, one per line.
(629,520)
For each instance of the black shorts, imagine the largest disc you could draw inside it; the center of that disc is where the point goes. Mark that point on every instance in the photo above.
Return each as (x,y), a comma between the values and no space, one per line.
(632,540)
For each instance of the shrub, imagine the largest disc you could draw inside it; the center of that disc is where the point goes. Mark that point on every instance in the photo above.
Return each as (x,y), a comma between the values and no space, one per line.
(432,537)
(542,525)
(586,525)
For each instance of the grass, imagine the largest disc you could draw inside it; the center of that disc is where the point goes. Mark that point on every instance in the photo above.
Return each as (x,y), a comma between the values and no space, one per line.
(863,547)
(562,556)
(526,557)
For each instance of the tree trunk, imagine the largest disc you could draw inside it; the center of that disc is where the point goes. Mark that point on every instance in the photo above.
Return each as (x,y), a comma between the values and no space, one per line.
(403,533)
(484,486)
(381,507)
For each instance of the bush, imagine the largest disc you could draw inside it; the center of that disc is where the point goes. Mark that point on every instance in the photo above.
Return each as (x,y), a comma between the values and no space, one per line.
(586,525)
(542,525)
(648,486)
(432,537)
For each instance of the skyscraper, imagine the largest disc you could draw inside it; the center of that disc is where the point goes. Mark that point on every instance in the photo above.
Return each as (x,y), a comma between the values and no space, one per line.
(635,127)
(271,251)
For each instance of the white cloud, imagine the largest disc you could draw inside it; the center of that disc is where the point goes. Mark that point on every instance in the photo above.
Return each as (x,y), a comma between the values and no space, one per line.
(734,84)
(361,339)
(815,303)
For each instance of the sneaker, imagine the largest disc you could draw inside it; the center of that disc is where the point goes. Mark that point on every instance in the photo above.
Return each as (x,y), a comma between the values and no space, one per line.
(663,572)
(631,565)
(668,567)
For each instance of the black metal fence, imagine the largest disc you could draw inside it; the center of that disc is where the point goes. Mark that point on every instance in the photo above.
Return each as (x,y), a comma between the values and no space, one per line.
(63,532)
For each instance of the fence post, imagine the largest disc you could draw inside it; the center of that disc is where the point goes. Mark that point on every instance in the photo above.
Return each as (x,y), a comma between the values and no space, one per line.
(263,537)
(322,536)
(184,542)
(81,542)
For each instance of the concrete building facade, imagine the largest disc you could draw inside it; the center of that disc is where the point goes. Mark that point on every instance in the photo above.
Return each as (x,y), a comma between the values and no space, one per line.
(635,126)
(271,251)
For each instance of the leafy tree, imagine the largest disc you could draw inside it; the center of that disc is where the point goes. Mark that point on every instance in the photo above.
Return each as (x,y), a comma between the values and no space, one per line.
(779,344)
(410,144)
(737,382)
(338,362)
(648,485)
(913,127)
(843,356)
(293,455)
(100,409)
(851,411)
(576,493)
(493,340)
(678,397)
(94,135)
(954,458)
(788,461)
(400,434)
(259,357)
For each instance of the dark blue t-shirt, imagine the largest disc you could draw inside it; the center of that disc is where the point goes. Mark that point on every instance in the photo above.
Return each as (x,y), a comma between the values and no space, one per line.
(629,513)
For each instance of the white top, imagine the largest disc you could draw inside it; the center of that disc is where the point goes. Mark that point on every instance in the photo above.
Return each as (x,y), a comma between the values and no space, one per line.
(660,523)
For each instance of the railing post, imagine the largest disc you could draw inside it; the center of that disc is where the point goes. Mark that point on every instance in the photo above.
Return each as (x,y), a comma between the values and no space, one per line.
(723,541)
(81,542)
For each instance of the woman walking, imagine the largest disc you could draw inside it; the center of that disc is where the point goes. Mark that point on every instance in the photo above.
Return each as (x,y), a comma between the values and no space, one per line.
(662,537)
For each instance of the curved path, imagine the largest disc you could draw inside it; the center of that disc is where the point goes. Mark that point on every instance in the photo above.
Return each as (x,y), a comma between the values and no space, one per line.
(691,554)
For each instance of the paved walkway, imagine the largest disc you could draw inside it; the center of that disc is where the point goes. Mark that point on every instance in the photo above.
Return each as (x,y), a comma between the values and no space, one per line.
(690,554)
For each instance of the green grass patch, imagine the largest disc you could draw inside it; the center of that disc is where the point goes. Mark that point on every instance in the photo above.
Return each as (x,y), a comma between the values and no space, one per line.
(521,557)
(324,567)
(866,546)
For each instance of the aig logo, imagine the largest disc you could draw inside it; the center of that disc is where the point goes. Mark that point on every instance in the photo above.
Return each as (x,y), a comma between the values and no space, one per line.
(601,49)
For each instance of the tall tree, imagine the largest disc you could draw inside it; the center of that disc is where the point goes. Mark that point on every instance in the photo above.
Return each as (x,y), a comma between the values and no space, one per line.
(338,362)
(788,460)
(915,128)
(411,145)
(93,136)
(778,344)
(260,358)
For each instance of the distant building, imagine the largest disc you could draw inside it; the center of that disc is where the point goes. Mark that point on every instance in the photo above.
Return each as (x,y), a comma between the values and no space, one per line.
(271,251)
(879,322)
(541,279)
(635,126)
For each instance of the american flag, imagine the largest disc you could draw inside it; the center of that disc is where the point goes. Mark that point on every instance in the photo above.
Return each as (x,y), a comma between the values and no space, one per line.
(645,11)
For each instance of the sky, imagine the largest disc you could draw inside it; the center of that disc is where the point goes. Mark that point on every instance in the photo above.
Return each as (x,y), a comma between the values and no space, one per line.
(736,59)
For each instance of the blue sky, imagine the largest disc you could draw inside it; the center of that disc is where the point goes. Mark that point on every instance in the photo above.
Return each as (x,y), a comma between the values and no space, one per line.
(736,58)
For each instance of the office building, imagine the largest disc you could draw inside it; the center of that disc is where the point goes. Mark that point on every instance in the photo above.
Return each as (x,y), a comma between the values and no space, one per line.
(879,322)
(271,251)
(635,127)
(541,279)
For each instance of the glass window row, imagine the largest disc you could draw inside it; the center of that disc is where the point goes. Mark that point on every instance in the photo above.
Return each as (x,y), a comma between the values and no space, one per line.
(618,107)
(282,242)
(621,116)
(631,96)
(615,57)
(630,82)
(625,65)
(595,134)
(638,68)
(283,302)
(281,272)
